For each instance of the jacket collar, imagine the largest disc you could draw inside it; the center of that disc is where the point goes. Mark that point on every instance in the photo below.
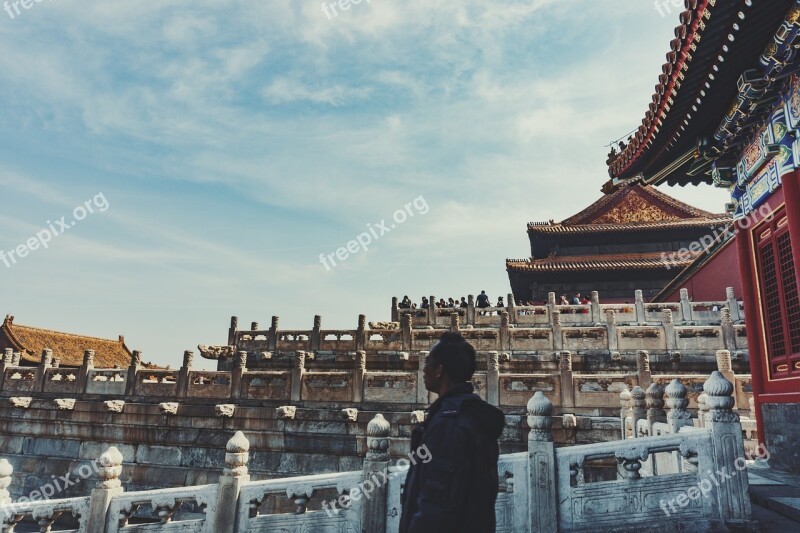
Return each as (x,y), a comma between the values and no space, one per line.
(458,390)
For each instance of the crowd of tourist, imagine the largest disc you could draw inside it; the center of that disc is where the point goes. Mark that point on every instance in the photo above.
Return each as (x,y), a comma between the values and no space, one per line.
(483,302)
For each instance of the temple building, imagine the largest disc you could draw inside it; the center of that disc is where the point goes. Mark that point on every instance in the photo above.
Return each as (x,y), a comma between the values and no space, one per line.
(726,111)
(68,348)
(634,237)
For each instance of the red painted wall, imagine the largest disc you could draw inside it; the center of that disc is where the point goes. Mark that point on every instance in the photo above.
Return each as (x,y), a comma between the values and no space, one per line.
(709,283)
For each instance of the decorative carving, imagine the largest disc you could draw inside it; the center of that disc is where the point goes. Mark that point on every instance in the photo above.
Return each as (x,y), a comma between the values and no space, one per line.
(114,406)
(724,360)
(569,421)
(216,352)
(300,360)
(666,317)
(109,469)
(384,325)
(540,411)
(21,402)
(678,416)
(241,359)
(493,361)
(15,359)
(611,317)
(300,493)
(286,412)
(65,404)
(655,402)
(237,456)
(350,414)
(378,431)
(418,417)
(720,401)
(88,358)
(616,356)
(224,410)
(168,408)
(641,333)
(565,361)
(136,358)
(188,357)
(643,361)
(47,357)
(638,402)
(56,361)
(361,360)
(362,322)
(631,458)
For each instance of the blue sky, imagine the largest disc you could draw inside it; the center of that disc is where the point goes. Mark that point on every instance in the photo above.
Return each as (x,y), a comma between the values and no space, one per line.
(235,142)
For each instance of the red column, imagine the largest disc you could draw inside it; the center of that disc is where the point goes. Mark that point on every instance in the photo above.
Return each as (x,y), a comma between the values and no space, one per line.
(791,195)
(747,272)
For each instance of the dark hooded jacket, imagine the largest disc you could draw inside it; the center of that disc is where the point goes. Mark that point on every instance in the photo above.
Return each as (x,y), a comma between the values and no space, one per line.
(456,490)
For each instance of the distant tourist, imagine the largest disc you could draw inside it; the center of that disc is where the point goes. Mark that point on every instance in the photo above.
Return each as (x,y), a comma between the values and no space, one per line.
(464,302)
(564,300)
(576,300)
(482,301)
(405,303)
(456,490)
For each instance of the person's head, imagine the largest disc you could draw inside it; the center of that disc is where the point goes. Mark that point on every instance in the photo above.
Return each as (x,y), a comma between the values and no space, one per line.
(450,362)
(483,292)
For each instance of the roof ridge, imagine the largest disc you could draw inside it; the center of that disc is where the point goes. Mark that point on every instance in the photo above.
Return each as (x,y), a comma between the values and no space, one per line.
(76,335)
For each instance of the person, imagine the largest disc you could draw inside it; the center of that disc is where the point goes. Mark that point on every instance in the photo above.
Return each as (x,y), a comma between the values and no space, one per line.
(482,301)
(576,300)
(564,300)
(456,490)
(464,302)
(500,302)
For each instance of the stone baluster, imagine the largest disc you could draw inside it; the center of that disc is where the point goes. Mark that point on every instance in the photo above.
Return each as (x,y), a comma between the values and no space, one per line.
(726,439)
(641,317)
(733,304)
(512,308)
(44,366)
(8,356)
(725,367)
(315,333)
(373,510)
(493,378)
(6,470)
(230,483)
(16,359)
(455,321)
(470,309)
(643,368)
(728,332)
(56,361)
(655,405)
(551,304)
(272,343)
(109,469)
(668,322)
(541,465)
(298,372)
(86,367)
(232,331)
(432,311)
(359,375)
(686,306)
(595,302)
(5,363)
(611,326)
(405,332)
(253,326)
(558,339)
(395,310)
(422,393)
(135,366)
(565,371)
(505,332)
(237,374)
(678,416)
(361,333)
(183,376)
(624,411)
(702,408)
(638,409)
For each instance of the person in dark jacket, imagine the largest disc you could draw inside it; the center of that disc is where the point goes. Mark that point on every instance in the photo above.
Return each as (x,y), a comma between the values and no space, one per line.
(456,490)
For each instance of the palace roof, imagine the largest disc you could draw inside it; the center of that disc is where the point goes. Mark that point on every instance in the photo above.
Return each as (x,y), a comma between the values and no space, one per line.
(633,208)
(30,342)
(711,61)
(644,261)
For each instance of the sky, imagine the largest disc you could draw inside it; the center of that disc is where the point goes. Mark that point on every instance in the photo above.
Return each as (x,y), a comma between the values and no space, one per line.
(211,158)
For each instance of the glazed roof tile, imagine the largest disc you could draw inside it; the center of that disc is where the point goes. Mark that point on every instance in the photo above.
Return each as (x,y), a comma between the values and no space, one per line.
(647,261)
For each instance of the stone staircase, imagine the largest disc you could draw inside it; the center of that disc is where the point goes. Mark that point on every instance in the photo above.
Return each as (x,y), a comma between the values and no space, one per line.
(775,498)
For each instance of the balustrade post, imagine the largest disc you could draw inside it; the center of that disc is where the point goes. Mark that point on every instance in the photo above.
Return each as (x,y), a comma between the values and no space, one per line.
(686,306)
(232,330)
(643,368)
(361,333)
(298,371)
(624,411)
(376,465)
(237,374)
(702,408)
(395,310)
(432,311)
(638,408)
(405,332)
(726,439)
(83,371)
(551,305)
(136,364)
(728,332)
(470,309)
(655,405)
(315,335)
(493,379)
(230,483)
(733,304)
(512,308)
(44,366)
(359,373)
(422,393)
(558,339)
(611,326)
(455,322)
(8,356)
(109,486)
(567,387)
(272,342)
(641,317)
(678,416)
(595,300)
(668,322)
(183,376)
(505,332)
(541,465)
